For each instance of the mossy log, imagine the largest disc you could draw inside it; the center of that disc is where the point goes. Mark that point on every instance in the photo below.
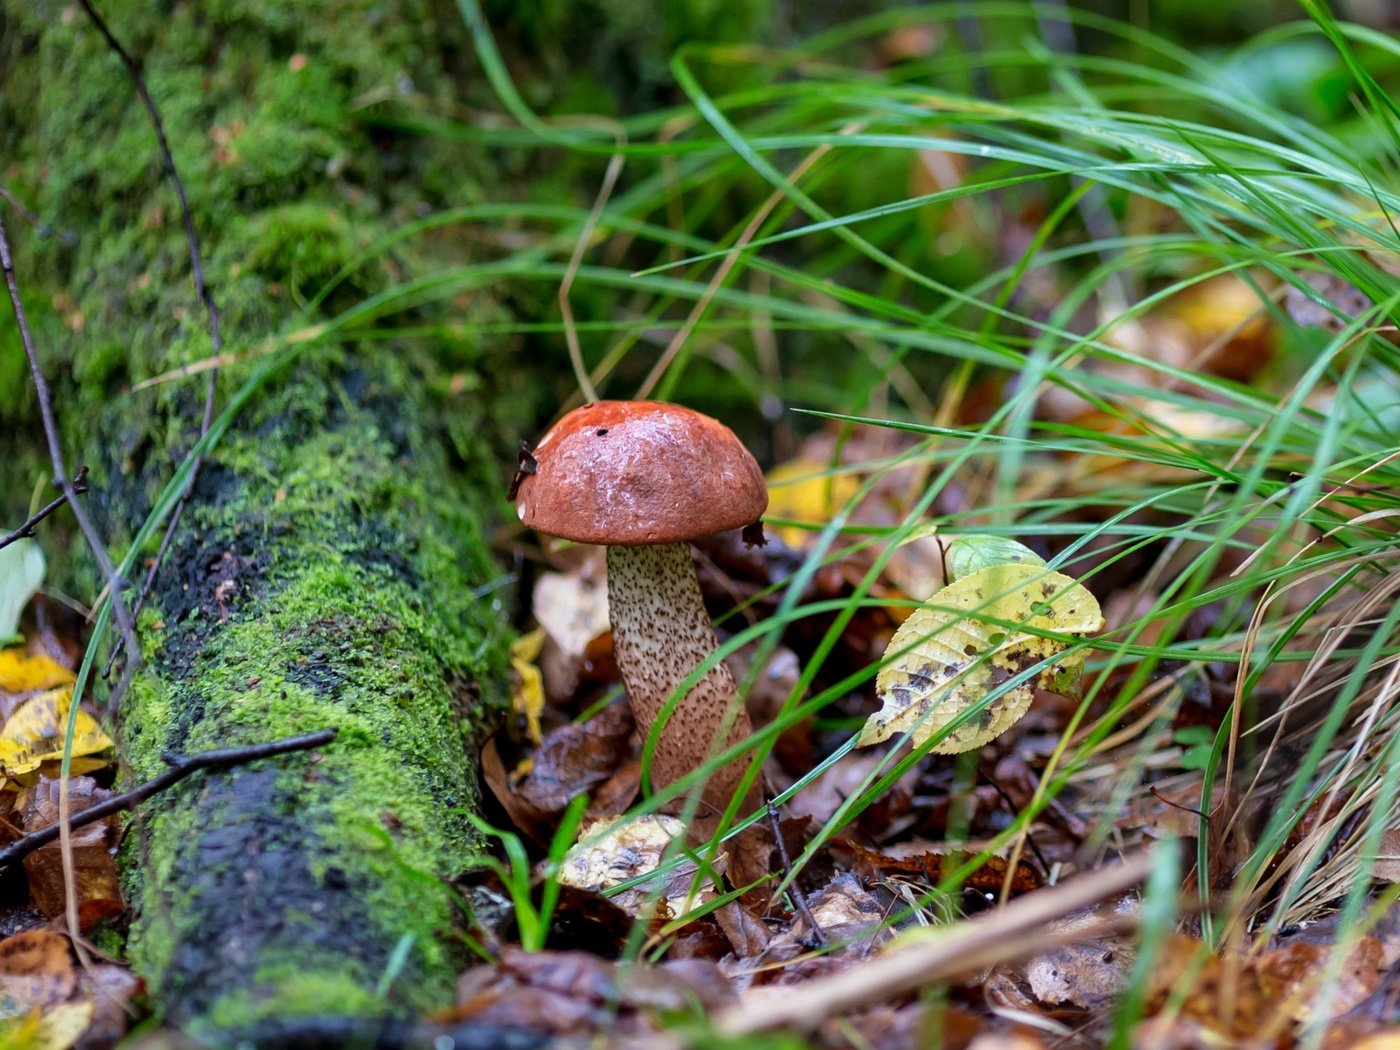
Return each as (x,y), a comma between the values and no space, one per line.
(330,568)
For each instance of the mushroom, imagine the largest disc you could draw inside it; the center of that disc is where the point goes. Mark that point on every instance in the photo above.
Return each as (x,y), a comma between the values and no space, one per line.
(644,478)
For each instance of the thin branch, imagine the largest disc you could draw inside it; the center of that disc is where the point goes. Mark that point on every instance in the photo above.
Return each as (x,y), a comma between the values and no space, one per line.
(114,582)
(196,260)
(181,766)
(27,529)
(202,293)
(794,890)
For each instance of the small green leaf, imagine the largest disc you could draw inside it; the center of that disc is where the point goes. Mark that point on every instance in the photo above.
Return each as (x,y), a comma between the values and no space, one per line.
(969,554)
(1197,743)
(21,572)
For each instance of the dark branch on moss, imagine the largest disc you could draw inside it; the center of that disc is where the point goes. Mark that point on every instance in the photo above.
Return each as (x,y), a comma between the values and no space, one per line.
(27,529)
(181,766)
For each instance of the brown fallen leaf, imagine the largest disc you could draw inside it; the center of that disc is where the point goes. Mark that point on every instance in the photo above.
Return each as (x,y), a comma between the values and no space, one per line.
(1295,970)
(98,891)
(36,970)
(852,926)
(1172,813)
(46,1004)
(574,993)
(1330,302)
(1386,867)
(593,758)
(908,1027)
(1266,993)
(922,861)
(747,933)
(1087,975)
(110,990)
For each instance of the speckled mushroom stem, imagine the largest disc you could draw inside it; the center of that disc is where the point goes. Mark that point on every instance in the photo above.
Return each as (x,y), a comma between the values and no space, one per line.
(661,633)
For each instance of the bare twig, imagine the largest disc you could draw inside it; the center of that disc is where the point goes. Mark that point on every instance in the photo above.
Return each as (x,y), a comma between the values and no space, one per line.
(181,766)
(202,294)
(27,529)
(65,484)
(798,897)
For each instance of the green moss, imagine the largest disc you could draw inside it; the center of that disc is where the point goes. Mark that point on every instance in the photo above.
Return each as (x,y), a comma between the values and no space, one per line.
(315,995)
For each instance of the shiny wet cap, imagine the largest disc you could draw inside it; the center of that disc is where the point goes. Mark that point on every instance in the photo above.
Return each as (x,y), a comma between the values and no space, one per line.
(632,473)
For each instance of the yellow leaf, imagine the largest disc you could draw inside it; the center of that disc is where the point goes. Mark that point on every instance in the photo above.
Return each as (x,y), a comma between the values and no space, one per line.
(55,1028)
(806,490)
(34,733)
(21,673)
(527,699)
(973,636)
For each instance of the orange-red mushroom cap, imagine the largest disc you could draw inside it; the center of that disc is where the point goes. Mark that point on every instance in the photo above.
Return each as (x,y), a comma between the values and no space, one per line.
(631,473)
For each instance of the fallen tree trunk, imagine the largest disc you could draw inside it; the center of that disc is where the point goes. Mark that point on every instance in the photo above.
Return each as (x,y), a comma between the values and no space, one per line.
(316,585)
(330,568)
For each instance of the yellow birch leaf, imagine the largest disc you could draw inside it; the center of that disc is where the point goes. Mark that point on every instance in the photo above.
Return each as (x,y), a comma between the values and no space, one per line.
(969,639)
(21,672)
(807,490)
(57,1027)
(34,733)
(527,699)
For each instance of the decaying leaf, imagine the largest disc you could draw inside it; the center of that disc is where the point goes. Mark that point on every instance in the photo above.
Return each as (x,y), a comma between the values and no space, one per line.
(593,758)
(843,908)
(1295,971)
(21,572)
(36,972)
(1387,862)
(611,852)
(848,776)
(34,733)
(47,1004)
(572,607)
(1286,981)
(1088,975)
(851,920)
(948,656)
(575,993)
(95,873)
(930,864)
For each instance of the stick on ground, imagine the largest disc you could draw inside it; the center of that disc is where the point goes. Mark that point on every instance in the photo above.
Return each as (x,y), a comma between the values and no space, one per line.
(181,766)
